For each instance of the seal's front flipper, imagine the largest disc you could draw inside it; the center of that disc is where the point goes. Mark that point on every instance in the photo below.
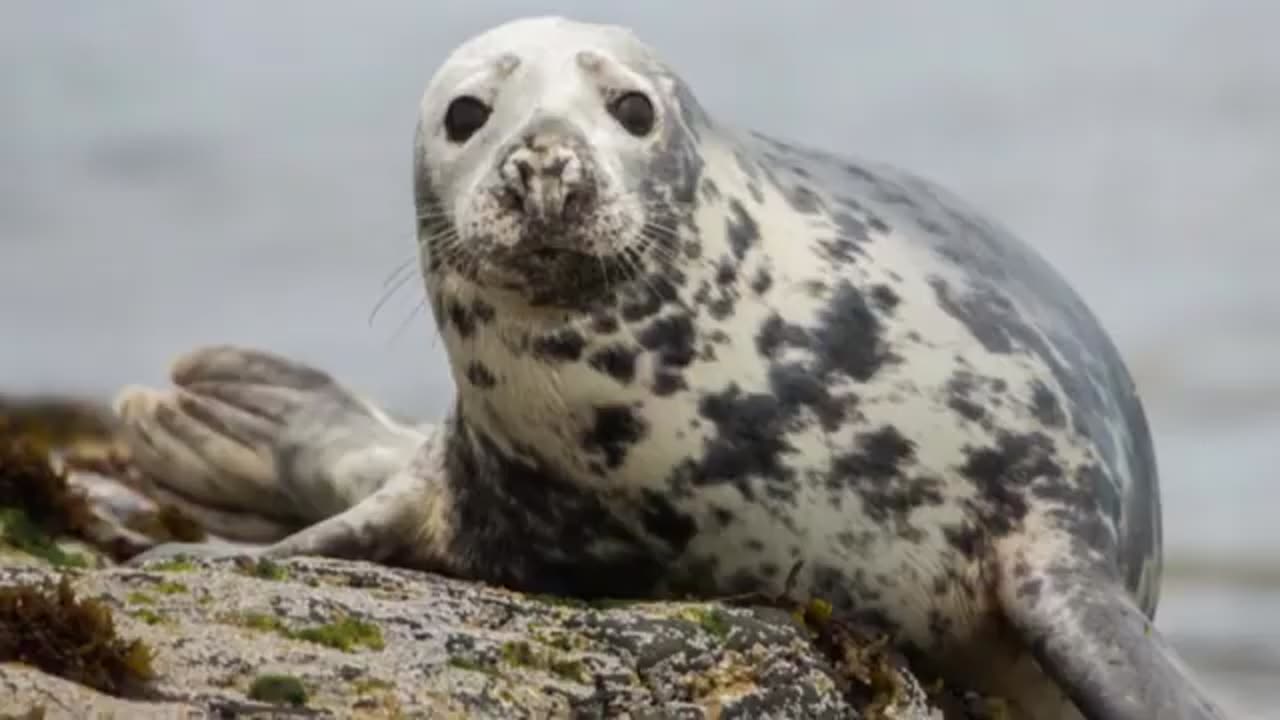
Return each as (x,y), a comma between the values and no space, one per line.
(251,435)
(401,523)
(1093,640)
(398,524)
(212,549)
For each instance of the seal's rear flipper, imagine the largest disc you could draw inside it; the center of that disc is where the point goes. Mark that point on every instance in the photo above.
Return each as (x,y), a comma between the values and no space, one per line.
(259,442)
(1102,650)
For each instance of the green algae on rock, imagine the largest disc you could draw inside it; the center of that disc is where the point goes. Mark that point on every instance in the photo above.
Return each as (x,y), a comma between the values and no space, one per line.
(264,568)
(278,689)
(37,505)
(345,633)
(175,565)
(19,532)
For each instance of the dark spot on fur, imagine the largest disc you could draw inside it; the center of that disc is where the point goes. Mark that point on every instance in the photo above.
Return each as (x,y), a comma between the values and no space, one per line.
(775,332)
(726,271)
(803,200)
(796,387)
(604,323)
(850,338)
(749,440)
(885,298)
(483,311)
(646,303)
(853,542)
(851,237)
(960,389)
(563,345)
(672,338)
(840,250)
(974,312)
(663,521)
(1045,406)
(721,307)
(1003,474)
(882,454)
(710,191)
(617,361)
(615,430)
(1030,590)
(667,383)
(762,281)
(723,516)
(964,539)
(480,376)
(742,229)
(461,319)
(878,473)
(1085,505)
(1102,489)
(850,226)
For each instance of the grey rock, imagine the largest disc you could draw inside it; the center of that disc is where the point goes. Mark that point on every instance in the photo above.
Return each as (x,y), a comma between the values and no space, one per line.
(449,649)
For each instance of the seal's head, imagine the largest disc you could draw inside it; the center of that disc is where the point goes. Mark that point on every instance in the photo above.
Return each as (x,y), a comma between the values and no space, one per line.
(553,160)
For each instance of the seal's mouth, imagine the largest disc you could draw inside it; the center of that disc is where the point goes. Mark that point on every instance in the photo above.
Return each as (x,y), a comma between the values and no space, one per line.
(550,254)
(553,275)
(532,258)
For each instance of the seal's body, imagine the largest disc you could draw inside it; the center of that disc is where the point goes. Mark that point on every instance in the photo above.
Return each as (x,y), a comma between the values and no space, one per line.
(697,360)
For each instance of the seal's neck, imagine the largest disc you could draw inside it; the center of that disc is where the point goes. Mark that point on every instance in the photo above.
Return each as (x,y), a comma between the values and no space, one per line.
(542,380)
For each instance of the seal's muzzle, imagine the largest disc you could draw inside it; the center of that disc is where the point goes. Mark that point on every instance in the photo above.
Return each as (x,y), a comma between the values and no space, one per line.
(546,179)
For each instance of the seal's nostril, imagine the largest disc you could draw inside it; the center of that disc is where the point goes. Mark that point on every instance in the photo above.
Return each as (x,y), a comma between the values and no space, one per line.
(513,199)
(526,172)
(555,168)
(575,203)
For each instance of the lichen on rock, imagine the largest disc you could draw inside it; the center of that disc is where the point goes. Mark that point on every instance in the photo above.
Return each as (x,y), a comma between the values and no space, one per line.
(449,648)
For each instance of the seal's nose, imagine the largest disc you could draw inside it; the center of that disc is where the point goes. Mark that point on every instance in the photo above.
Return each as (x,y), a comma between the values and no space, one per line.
(543,176)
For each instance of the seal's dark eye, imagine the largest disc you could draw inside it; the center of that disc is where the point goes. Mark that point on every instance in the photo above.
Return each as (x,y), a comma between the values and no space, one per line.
(464,117)
(634,111)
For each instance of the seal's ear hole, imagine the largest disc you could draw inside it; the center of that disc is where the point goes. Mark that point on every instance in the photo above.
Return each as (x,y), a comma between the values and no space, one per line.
(633,111)
(464,117)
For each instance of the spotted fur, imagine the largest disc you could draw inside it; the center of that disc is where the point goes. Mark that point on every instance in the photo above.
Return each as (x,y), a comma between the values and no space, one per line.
(747,356)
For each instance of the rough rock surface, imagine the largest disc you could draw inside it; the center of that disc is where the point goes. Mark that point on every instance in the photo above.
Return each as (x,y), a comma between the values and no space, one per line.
(442,648)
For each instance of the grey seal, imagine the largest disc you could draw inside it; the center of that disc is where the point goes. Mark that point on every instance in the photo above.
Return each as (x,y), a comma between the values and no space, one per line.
(693,360)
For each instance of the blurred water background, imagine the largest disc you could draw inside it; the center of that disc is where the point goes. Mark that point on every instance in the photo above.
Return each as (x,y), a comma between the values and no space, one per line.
(176,173)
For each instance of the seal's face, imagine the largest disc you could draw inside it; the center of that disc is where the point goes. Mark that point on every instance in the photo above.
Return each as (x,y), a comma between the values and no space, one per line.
(535,165)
